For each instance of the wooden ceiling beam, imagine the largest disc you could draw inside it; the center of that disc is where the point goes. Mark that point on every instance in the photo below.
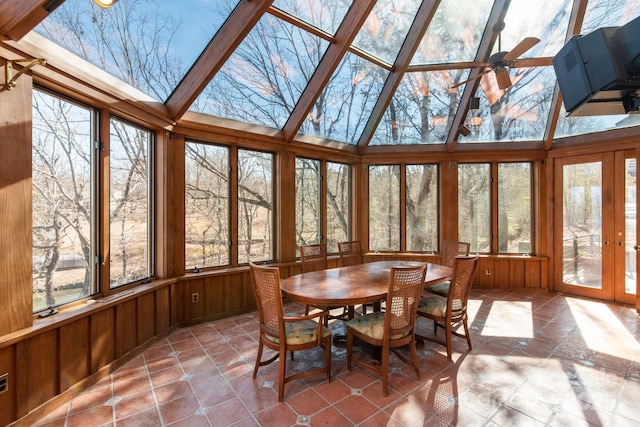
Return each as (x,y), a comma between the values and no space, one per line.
(420,24)
(20,17)
(354,19)
(220,48)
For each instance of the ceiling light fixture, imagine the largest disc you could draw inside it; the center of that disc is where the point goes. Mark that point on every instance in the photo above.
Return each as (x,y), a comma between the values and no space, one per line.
(105,4)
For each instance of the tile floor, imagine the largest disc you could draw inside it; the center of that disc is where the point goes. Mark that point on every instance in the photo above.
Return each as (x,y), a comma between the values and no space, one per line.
(537,359)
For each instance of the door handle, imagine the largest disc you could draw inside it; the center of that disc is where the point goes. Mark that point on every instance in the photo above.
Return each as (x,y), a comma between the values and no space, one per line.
(620,243)
(606,243)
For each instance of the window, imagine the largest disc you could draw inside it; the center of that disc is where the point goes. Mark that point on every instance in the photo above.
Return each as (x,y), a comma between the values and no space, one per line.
(384,208)
(507,186)
(474,205)
(514,208)
(308,203)
(422,208)
(129,203)
(63,202)
(206,205)
(338,205)
(255,206)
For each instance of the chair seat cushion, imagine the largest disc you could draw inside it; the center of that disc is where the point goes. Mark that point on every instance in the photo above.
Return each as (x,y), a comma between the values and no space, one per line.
(435,305)
(303,332)
(371,325)
(441,289)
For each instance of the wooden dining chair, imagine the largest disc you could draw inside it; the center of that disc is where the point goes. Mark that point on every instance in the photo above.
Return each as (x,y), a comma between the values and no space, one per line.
(450,250)
(314,258)
(393,328)
(451,311)
(350,253)
(286,333)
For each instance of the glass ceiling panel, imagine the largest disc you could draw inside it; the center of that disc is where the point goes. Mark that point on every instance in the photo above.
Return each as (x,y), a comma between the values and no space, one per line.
(599,14)
(386,27)
(264,78)
(516,114)
(326,15)
(421,111)
(150,45)
(343,108)
(454,33)
(548,20)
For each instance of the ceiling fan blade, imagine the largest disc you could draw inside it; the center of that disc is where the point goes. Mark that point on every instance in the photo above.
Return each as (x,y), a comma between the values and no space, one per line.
(503,79)
(477,76)
(521,48)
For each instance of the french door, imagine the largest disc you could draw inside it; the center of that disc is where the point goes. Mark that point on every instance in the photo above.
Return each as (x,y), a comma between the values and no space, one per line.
(595,220)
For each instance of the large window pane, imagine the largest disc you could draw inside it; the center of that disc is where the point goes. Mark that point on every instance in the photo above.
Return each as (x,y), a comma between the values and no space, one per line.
(308,219)
(206,205)
(62,202)
(338,207)
(514,208)
(130,201)
(474,205)
(422,208)
(384,208)
(255,206)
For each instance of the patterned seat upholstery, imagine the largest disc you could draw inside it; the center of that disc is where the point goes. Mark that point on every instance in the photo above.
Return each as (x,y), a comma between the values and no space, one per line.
(392,328)
(299,332)
(447,312)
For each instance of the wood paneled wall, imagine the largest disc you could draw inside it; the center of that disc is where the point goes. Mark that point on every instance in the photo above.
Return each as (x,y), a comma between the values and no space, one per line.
(69,351)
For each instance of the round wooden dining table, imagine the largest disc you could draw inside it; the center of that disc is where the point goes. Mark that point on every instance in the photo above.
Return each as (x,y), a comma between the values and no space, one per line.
(352,285)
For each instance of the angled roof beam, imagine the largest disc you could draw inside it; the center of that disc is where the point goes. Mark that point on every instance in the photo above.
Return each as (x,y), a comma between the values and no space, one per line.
(219,49)
(575,24)
(419,26)
(355,17)
(489,37)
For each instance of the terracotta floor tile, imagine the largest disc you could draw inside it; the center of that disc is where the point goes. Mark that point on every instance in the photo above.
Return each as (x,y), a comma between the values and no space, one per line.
(565,374)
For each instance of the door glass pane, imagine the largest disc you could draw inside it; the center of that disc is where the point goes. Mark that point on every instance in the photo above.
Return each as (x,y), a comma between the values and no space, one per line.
(62,202)
(630,226)
(255,206)
(384,208)
(338,207)
(422,208)
(129,200)
(308,225)
(206,205)
(582,224)
(474,205)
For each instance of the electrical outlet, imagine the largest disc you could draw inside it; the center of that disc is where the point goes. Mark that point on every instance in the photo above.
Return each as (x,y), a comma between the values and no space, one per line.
(4,382)
(195,297)
(487,272)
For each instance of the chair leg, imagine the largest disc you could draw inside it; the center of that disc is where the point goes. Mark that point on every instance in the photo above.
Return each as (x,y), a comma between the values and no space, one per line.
(255,369)
(466,333)
(414,358)
(349,349)
(385,370)
(435,328)
(281,374)
(327,358)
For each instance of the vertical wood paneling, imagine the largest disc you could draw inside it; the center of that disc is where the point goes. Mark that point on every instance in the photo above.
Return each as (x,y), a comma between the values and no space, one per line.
(74,353)
(15,205)
(196,310)
(516,273)
(8,398)
(102,339)
(532,274)
(146,317)
(215,298)
(482,280)
(126,330)
(235,291)
(163,309)
(36,371)
(500,273)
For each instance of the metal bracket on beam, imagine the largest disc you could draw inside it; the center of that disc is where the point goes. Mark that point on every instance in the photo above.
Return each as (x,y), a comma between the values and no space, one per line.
(10,77)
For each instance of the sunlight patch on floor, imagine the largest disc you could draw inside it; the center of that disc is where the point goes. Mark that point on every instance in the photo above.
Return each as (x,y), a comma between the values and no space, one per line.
(509,319)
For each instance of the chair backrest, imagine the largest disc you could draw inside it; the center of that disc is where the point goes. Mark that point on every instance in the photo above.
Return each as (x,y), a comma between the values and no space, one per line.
(464,268)
(403,297)
(350,253)
(266,288)
(313,257)
(451,249)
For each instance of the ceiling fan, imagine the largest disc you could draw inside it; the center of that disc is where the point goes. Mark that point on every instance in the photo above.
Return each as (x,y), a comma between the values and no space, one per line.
(500,62)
